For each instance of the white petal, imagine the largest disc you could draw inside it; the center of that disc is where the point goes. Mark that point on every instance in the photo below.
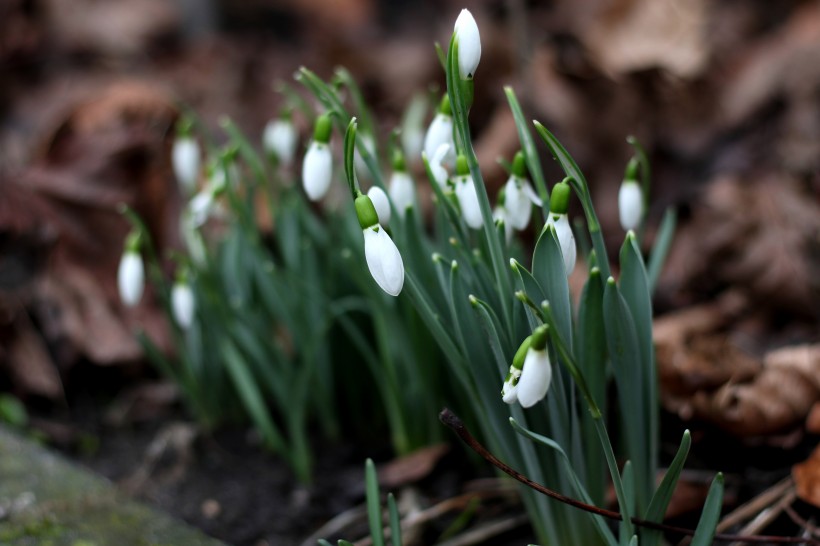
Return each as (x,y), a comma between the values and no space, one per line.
(280,139)
(535,378)
(185,161)
(630,205)
(517,203)
(468,201)
(469,44)
(440,132)
(130,278)
(200,207)
(566,240)
(183,304)
(381,203)
(500,214)
(436,167)
(509,391)
(402,191)
(383,260)
(317,169)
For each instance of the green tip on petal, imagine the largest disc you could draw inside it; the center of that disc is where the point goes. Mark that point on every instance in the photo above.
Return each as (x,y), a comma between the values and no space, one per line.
(444,106)
(519,166)
(611,281)
(473,300)
(559,198)
(539,337)
(321,131)
(399,164)
(521,353)
(366,212)
(462,168)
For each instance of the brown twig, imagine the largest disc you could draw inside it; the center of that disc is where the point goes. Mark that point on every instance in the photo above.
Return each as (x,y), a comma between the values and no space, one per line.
(456,425)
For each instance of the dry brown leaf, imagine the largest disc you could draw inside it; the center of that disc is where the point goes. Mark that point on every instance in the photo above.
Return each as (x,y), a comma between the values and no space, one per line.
(632,35)
(30,365)
(412,467)
(807,478)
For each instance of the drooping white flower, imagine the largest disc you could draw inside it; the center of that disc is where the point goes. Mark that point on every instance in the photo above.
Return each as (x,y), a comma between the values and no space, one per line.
(200,207)
(566,239)
(185,162)
(381,202)
(467,195)
(183,303)
(440,131)
(509,391)
(535,377)
(519,196)
(380,252)
(131,277)
(402,191)
(280,139)
(559,205)
(436,165)
(317,167)
(469,44)
(630,204)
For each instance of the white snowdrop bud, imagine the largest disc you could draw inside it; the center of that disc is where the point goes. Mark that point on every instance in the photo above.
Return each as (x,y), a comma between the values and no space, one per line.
(183,303)
(469,44)
(280,139)
(317,167)
(185,162)
(381,202)
(440,131)
(630,204)
(131,277)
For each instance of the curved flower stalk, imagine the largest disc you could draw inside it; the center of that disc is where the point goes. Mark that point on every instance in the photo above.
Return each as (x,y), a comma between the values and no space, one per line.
(381,202)
(280,140)
(383,258)
(559,204)
(630,199)
(131,272)
(440,132)
(466,194)
(519,195)
(469,44)
(317,167)
(531,372)
(183,302)
(401,188)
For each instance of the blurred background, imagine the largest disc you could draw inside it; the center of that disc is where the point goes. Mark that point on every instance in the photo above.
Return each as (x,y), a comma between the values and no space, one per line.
(724,95)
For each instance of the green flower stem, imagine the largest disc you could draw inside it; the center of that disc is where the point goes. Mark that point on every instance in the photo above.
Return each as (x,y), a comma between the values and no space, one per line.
(528,146)
(494,242)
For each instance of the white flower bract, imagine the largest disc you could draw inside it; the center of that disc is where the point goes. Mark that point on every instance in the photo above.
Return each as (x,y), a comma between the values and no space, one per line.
(185,162)
(630,205)
(183,304)
(381,203)
(509,391)
(468,201)
(280,139)
(130,278)
(535,378)
(469,44)
(566,239)
(438,134)
(402,191)
(317,169)
(383,260)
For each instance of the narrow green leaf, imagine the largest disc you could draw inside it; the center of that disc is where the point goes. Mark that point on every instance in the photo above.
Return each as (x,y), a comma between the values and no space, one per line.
(663,242)
(246,149)
(395,520)
(663,495)
(528,147)
(707,526)
(599,523)
(548,269)
(628,479)
(349,152)
(323,542)
(374,510)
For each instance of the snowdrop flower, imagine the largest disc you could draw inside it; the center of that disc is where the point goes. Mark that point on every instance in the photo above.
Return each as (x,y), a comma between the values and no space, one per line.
(519,195)
(280,139)
(183,303)
(200,207)
(185,162)
(317,166)
(401,187)
(440,131)
(381,202)
(131,272)
(469,44)
(559,203)
(436,167)
(501,215)
(531,372)
(382,256)
(466,194)
(630,198)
